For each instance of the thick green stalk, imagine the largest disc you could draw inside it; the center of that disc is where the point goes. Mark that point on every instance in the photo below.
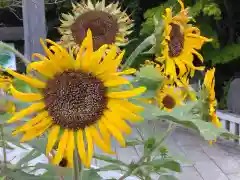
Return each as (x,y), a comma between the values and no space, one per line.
(141,161)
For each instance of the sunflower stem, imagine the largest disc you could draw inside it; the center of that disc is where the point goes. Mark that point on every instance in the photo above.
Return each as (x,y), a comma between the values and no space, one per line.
(142,159)
(76,164)
(16,52)
(130,60)
(4,148)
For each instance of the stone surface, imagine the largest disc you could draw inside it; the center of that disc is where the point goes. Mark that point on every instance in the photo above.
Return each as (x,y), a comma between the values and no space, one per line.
(233,102)
(189,173)
(234,176)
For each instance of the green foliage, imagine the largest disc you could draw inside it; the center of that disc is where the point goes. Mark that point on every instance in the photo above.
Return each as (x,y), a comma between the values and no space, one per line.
(224,55)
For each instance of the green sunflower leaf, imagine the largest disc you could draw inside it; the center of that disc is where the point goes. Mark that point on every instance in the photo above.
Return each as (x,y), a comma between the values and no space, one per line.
(149,77)
(110,167)
(168,177)
(165,163)
(109,159)
(91,174)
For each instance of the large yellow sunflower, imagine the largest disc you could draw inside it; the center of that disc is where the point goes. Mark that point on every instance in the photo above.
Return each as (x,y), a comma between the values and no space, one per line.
(108,24)
(209,83)
(169,97)
(181,42)
(78,100)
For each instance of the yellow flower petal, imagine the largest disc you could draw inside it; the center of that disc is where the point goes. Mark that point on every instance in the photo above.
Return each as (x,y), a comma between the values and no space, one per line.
(118,122)
(128,105)
(105,133)
(90,148)
(127,71)
(44,67)
(52,138)
(27,111)
(30,123)
(31,81)
(115,132)
(31,134)
(85,64)
(116,81)
(26,97)
(81,147)
(98,140)
(42,124)
(70,147)
(47,51)
(127,94)
(61,147)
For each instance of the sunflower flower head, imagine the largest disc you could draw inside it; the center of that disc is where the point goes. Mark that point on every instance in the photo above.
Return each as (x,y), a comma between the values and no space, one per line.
(169,97)
(209,87)
(109,25)
(180,43)
(78,99)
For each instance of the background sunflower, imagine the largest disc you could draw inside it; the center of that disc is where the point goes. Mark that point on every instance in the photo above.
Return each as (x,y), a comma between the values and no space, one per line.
(108,24)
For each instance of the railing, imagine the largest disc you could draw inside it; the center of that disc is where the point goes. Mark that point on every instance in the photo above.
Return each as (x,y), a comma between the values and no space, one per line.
(231,122)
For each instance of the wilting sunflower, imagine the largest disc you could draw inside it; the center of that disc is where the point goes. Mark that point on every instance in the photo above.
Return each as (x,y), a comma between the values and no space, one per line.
(78,100)
(108,24)
(169,97)
(209,83)
(181,42)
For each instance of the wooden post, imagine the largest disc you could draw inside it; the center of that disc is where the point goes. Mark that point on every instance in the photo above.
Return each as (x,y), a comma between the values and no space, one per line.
(34,26)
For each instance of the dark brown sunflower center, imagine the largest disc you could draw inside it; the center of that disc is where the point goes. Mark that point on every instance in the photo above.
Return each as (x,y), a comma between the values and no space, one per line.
(103,25)
(169,102)
(176,42)
(75,99)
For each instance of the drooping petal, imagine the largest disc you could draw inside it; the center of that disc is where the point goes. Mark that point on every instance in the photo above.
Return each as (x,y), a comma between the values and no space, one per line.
(70,147)
(81,147)
(31,122)
(115,132)
(31,81)
(90,147)
(52,138)
(116,81)
(105,133)
(44,67)
(128,105)
(61,147)
(127,94)
(26,97)
(119,123)
(31,134)
(27,111)
(98,140)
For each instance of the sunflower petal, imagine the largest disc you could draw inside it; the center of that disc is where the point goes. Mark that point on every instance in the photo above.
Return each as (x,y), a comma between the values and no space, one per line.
(81,147)
(116,81)
(27,111)
(127,94)
(115,132)
(98,140)
(30,123)
(127,71)
(70,147)
(105,133)
(29,135)
(128,105)
(90,147)
(119,123)
(31,81)
(44,67)
(61,147)
(52,138)
(26,97)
